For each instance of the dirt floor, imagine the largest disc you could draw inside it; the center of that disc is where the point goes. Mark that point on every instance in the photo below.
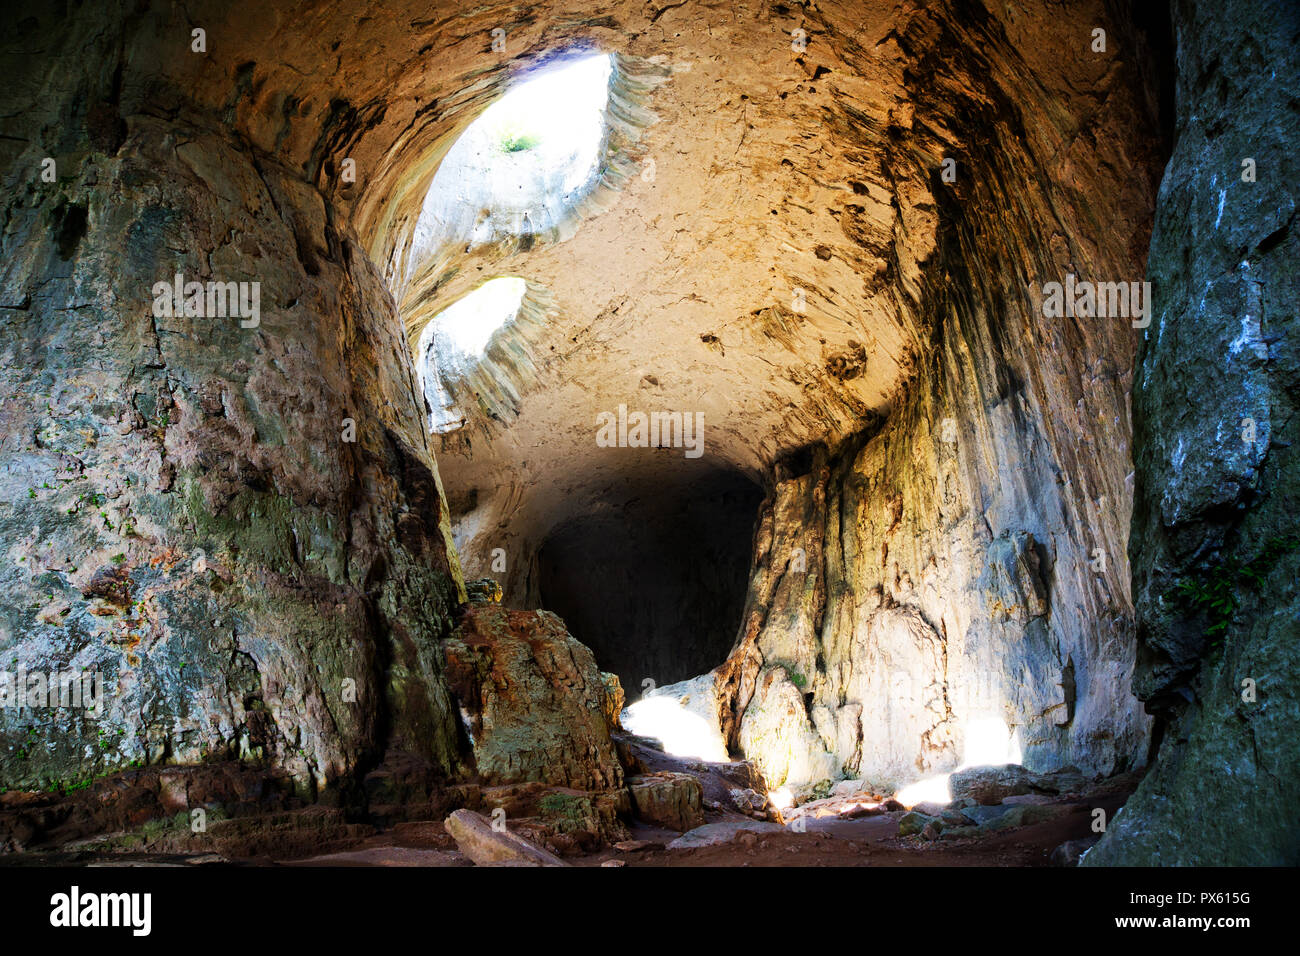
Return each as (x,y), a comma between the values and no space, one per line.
(828,841)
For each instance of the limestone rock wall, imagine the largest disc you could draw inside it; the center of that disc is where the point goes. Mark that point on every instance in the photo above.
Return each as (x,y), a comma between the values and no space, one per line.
(1216,505)
(944,569)
(185,511)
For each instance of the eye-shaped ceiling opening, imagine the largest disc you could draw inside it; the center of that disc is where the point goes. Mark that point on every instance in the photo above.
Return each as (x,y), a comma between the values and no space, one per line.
(552,151)
(523,165)
(454,342)
(537,162)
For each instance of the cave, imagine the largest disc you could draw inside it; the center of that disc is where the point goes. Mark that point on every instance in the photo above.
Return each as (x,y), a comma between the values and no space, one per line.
(635,434)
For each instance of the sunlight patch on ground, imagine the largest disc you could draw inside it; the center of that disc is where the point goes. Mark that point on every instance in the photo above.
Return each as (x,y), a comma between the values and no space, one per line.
(988,742)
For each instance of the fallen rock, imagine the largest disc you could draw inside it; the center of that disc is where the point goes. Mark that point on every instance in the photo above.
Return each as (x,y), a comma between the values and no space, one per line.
(483,591)
(1020,816)
(993,784)
(913,823)
(713,834)
(929,809)
(642,755)
(637,846)
(745,799)
(671,800)
(989,785)
(980,815)
(1068,780)
(476,839)
(856,812)
(1028,798)
(532,698)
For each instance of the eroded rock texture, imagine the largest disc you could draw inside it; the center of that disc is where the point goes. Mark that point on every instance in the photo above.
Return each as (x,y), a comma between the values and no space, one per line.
(183,514)
(943,569)
(533,702)
(1217,480)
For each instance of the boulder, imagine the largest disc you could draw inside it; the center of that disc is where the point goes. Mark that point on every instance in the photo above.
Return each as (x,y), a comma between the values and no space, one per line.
(671,800)
(1022,815)
(637,846)
(913,823)
(483,591)
(746,800)
(989,785)
(850,788)
(929,809)
(712,834)
(859,810)
(532,699)
(993,784)
(488,847)
(980,815)
(1066,780)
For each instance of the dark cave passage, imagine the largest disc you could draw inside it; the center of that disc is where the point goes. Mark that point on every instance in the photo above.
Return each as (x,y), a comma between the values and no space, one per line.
(656,587)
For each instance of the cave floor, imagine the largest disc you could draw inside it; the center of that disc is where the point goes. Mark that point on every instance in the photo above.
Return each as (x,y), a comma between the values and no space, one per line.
(828,840)
(869,841)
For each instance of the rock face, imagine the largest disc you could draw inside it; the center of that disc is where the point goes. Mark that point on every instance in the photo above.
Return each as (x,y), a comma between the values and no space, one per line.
(671,800)
(1217,478)
(237,525)
(533,701)
(965,561)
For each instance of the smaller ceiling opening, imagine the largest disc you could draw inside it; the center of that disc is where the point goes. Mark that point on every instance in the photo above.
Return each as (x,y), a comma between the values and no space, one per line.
(654,581)
(523,164)
(451,355)
(465,327)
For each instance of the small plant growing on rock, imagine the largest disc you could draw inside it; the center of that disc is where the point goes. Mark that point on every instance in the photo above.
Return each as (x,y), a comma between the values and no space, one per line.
(513,139)
(1217,591)
(795,677)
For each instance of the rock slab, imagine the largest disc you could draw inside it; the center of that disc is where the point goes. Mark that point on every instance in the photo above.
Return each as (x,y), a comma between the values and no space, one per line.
(488,847)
